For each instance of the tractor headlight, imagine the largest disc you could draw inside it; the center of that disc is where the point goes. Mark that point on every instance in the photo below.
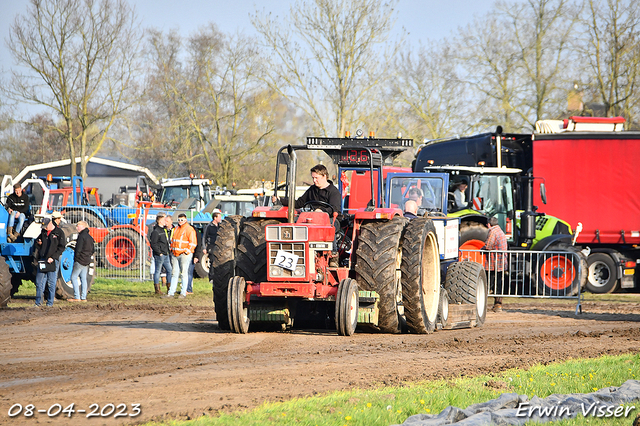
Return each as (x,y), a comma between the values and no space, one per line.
(299,272)
(276,271)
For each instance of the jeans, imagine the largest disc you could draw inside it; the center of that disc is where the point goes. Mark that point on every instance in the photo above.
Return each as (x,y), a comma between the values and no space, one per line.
(51,280)
(159,262)
(12,220)
(192,267)
(79,280)
(180,266)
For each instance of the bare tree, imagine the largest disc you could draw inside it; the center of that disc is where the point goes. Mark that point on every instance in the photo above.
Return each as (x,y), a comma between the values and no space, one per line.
(219,117)
(79,59)
(328,57)
(429,93)
(612,52)
(518,58)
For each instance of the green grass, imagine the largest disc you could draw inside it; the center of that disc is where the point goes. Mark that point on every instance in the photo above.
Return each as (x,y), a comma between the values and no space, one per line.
(106,290)
(393,405)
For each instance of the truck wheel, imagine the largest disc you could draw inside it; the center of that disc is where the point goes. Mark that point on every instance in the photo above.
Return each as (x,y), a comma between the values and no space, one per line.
(238,310)
(602,274)
(378,260)
(558,274)
(121,248)
(5,283)
(252,250)
(222,266)
(420,275)
(466,283)
(443,308)
(347,305)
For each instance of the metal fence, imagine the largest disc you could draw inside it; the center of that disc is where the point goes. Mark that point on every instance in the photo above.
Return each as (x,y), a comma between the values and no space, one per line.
(121,236)
(531,274)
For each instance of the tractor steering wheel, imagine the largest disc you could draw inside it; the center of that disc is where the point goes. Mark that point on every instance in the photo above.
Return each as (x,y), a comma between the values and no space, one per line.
(319,203)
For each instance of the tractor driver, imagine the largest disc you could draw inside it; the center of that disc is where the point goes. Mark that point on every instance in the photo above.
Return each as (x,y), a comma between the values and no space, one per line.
(322,190)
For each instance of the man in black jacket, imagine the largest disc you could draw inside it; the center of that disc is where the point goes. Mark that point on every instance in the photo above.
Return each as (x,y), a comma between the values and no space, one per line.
(159,241)
(49,246)
(18,208)
(81,261)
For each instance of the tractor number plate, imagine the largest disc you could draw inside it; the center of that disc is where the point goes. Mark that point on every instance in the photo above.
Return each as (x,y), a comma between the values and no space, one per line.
(286,260)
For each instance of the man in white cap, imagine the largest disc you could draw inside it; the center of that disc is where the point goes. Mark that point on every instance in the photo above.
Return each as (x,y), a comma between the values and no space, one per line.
(56,217)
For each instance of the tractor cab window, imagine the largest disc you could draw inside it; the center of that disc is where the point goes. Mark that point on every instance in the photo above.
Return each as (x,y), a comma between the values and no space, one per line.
(56,201)
(492,195)
(427,192)
(174,194)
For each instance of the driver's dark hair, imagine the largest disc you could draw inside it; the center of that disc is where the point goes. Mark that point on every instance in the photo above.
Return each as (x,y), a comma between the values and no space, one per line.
(320,169)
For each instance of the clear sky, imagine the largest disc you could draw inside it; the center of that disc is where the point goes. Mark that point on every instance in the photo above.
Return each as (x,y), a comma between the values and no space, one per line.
(422,19)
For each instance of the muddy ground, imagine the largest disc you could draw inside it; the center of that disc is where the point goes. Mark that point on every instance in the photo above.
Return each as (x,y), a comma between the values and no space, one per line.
(175,363)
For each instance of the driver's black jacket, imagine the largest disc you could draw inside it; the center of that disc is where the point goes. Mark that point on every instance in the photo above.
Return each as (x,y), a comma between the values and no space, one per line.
(329,195)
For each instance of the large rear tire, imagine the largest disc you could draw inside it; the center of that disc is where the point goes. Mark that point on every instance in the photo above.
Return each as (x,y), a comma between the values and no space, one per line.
(559,275)
(75,216)
(121,248)
(420,275)
(64,287)
(602,278)
(252,250)
(237,306)
(378,259)
(472,236)
(222,266)
(466,283)
(5,283)
(347,305)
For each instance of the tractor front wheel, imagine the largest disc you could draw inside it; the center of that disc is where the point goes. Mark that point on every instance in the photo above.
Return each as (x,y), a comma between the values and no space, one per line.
(5,283)
(347,305)
(466,283)
(238,310)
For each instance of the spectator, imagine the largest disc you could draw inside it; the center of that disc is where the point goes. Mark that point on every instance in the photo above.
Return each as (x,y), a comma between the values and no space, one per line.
(18,208)
(496,262)
(56,218)
(49,246)
(183,244)
(410,209)
(81,261)
(197,254)
(159,242)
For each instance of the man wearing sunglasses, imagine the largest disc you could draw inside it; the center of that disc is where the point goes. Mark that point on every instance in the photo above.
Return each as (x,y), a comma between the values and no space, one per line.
(183,244)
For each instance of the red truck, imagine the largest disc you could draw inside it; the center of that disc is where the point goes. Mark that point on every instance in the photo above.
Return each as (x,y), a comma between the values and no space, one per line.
(589,166)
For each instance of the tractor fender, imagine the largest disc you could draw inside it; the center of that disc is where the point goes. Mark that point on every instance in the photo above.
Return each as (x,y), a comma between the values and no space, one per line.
(544,243)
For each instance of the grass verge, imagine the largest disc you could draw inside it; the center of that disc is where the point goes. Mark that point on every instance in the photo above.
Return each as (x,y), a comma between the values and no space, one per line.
(393,405)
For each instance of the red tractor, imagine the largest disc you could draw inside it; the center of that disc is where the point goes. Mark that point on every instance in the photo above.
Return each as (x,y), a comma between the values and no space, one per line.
(273,267)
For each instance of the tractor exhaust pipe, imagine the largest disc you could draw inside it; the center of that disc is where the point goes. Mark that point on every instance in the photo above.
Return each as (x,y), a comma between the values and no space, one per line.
(291,179)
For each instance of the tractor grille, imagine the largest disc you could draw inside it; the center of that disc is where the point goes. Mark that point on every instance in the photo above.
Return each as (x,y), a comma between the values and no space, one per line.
(297,249)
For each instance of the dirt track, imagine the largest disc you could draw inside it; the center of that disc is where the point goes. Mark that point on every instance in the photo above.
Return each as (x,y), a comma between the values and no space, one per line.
(175,363)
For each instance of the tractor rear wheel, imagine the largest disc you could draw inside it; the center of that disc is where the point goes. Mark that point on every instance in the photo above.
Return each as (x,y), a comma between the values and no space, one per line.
(222,266)
(466,283)
(378,259)
(201,268)
(75,216)
(420,275)
(238,310)
(347,305)
(252,250)
(5,283)
(559,274)
(472,236)
(64,287)
(121,248)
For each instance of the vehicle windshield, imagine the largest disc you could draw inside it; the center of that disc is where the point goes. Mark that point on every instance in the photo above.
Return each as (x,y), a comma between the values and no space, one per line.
(243,208)
(428,191)
(177,194)
(492,195)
